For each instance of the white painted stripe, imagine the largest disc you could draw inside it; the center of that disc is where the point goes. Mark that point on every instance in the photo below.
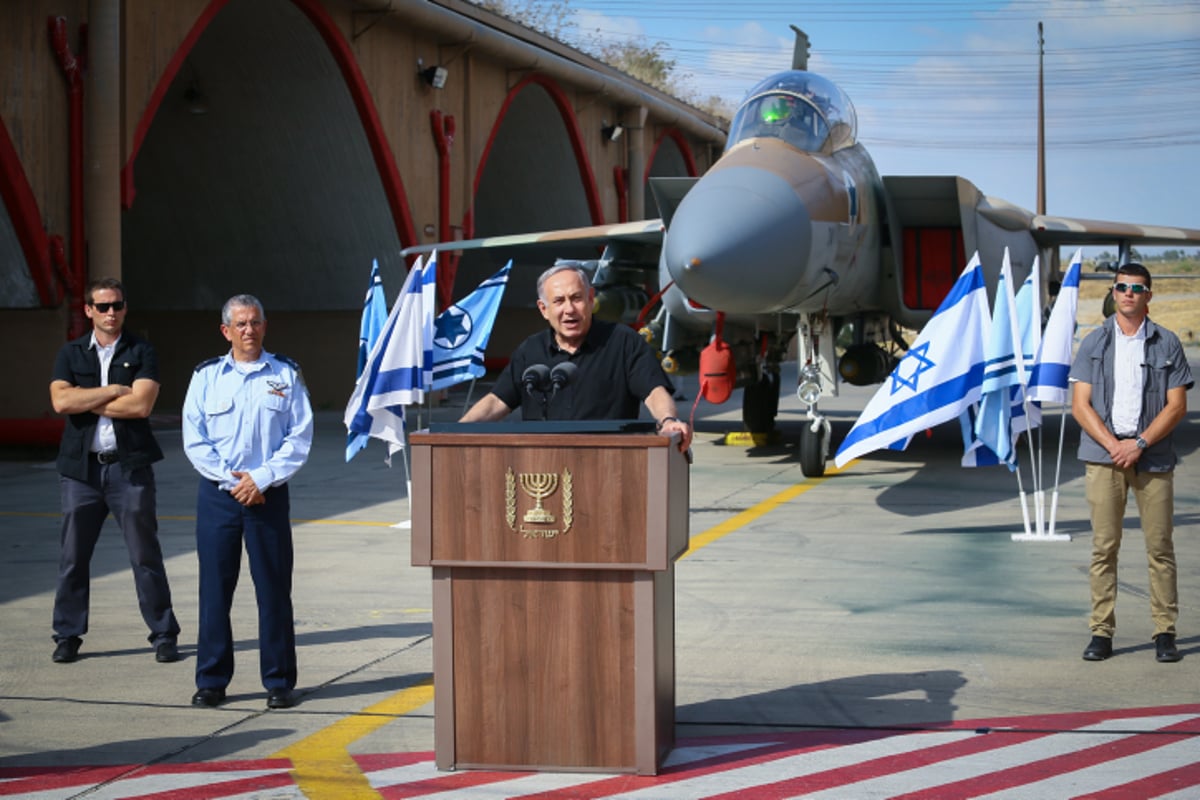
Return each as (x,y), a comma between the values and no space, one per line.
(292,792)
(140,784)
(794,766)
(1112,773)
(997,759)
(426,770)
(528,783)
(398,776)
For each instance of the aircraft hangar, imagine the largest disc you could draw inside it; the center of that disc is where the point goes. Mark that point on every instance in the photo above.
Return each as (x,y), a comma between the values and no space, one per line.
(202,148)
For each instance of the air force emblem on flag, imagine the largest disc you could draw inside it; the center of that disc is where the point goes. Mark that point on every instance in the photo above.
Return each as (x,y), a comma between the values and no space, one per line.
(452,328)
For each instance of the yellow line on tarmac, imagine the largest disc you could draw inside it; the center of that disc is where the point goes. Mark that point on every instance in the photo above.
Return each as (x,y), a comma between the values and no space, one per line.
(754,512)
(321,763)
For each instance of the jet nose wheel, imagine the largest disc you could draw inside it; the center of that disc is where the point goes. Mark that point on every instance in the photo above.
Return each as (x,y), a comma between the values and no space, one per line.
(814,447)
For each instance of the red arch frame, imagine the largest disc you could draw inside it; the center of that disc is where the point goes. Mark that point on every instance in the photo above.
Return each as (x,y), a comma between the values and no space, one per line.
(574,134)
(681,141)
(385,162)
(22,207)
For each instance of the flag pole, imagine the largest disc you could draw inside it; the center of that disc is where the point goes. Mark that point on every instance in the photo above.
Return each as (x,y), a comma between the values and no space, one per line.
(1062,430)
(1024,507)
(406,523)
(1048,534)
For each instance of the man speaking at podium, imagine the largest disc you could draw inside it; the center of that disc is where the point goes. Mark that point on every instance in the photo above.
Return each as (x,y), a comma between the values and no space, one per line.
(581,368)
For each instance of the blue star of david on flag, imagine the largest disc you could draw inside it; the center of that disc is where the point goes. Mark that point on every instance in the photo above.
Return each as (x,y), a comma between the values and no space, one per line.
(916,354)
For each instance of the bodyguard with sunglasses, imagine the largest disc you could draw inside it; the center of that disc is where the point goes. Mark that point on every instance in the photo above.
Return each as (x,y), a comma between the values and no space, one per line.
(1131,380)
(106,382)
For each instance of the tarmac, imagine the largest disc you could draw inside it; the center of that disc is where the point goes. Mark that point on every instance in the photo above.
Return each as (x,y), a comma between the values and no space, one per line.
(886,595)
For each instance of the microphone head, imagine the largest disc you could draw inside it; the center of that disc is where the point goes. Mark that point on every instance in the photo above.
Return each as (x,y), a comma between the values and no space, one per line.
(536,378)
(562,374)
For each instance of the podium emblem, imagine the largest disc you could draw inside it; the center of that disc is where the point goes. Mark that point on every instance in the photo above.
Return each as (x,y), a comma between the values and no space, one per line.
(539,487)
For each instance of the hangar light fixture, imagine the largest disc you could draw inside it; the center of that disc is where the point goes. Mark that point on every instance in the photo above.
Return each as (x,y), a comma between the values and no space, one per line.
(435,76)
(611,132)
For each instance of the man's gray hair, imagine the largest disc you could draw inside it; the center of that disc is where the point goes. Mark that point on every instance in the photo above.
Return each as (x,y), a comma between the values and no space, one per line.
(240,301)
(557,268)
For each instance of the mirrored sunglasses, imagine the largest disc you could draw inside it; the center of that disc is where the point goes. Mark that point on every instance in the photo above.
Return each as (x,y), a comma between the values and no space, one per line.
(116,305)
(1136,288)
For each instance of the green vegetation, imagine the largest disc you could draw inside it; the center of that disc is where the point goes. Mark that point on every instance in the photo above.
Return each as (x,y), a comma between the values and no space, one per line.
(651,64)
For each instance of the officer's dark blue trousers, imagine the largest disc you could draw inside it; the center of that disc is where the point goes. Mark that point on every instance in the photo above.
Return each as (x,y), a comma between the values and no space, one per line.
(222,524)
(86,504)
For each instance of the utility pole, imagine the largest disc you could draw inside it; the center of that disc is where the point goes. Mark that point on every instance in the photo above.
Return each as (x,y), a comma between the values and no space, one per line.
(1041,122)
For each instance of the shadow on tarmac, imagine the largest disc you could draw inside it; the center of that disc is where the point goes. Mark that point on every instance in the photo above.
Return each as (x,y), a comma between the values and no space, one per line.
(874,701)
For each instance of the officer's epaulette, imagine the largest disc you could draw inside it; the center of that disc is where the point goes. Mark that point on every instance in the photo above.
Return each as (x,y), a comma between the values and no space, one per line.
(207,363)
(286,360)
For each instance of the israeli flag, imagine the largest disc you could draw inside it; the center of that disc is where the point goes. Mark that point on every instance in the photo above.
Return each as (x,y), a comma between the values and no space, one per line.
(1003,370)
(394,375)
(1025,415)
(939,377)
(374,317)
(461,332)
(1048,383)
(428,312)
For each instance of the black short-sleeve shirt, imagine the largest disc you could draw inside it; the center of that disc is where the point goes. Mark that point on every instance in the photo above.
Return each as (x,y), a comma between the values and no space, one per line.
(616,371)
(78,365)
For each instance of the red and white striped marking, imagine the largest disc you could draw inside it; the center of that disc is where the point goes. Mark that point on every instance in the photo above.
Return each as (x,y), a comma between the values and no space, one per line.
(1136,754)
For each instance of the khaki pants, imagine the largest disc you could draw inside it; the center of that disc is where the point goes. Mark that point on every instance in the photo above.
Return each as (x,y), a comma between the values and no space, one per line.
(1107,490)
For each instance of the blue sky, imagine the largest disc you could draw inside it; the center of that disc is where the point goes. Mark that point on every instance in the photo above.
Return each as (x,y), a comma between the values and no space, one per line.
(950,87)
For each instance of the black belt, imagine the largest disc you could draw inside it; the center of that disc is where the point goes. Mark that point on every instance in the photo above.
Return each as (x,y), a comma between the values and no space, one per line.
(107,457)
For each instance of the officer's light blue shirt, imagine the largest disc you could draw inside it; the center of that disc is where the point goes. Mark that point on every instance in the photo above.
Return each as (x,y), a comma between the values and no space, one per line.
(250,417)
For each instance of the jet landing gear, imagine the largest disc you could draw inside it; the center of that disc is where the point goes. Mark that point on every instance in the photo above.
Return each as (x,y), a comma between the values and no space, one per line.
(815,435)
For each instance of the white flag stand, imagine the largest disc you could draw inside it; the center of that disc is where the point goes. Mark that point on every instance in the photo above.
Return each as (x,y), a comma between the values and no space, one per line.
(1047,534)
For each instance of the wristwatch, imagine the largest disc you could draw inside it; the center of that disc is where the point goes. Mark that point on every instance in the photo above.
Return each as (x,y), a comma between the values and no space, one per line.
(1141,443)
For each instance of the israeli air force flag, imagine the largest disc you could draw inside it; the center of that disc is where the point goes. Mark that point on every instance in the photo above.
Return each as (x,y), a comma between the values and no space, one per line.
(1003,370)
(938,378)
(394,375)
(461,332)
(1048,383)
(374,317)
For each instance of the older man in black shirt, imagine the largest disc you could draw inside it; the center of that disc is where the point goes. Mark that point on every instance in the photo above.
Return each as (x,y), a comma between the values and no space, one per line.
(616,369)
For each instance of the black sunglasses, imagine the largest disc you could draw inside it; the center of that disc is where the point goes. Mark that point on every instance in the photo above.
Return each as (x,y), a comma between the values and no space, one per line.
(1136,288)
(116,305)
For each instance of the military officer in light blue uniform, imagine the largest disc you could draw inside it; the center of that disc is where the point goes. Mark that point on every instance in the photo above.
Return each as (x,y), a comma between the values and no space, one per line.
(247,429)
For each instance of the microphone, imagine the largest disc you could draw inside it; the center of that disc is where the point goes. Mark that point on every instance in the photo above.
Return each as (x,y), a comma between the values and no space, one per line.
(562,375)
(536,378)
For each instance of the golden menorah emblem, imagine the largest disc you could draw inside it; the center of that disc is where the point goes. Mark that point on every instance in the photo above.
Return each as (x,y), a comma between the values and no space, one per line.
(539,486)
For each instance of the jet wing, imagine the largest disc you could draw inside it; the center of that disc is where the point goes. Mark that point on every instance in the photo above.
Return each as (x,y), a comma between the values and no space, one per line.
(647,232)
(1053,231)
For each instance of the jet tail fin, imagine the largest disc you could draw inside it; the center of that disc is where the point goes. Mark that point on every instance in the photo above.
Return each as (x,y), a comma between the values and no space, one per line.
(800,49)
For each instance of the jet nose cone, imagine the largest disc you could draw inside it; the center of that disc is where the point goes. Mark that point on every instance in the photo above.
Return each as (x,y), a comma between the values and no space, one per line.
(738,241)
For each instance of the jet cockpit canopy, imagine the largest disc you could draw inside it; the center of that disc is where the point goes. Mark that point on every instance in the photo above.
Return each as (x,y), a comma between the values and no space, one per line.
(804,109)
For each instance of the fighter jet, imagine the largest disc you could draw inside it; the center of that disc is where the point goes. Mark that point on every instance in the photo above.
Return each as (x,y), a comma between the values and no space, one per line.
(792,234)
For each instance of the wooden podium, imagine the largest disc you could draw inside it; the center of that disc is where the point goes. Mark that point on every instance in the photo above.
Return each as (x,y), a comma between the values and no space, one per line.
(553,595)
